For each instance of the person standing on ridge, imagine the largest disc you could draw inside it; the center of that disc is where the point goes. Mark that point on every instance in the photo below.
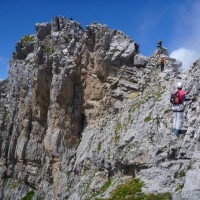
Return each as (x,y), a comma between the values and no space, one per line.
(162,63)
(161,49)
(137,50)
(177,100)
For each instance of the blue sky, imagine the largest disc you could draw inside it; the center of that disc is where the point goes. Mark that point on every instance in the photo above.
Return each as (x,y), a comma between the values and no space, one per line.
(176,22)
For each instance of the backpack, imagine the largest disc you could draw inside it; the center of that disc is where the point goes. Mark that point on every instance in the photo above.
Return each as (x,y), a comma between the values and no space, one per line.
(175,98)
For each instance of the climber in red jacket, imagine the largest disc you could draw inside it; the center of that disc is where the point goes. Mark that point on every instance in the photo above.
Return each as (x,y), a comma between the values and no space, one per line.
(178,108)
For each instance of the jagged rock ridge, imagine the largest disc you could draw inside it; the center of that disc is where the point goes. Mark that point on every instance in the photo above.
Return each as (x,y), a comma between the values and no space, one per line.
(76,112)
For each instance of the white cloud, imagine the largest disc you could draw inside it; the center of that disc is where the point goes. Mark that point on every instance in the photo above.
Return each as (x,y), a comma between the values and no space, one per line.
(186,37)
(186,56)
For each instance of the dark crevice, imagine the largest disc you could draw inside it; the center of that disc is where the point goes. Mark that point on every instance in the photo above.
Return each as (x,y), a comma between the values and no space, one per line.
(130,170)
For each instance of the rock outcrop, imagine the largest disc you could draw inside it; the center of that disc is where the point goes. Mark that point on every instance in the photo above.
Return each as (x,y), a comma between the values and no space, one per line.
(77,113)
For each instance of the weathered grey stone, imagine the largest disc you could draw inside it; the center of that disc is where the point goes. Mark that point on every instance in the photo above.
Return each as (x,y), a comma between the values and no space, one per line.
(191,185)
(140,60)
(43,30)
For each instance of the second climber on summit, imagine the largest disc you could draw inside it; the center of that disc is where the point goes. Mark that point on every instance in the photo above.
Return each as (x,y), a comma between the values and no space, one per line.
(162,63)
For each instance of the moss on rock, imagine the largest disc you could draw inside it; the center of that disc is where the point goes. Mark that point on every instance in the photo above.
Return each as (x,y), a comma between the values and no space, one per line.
(132,190)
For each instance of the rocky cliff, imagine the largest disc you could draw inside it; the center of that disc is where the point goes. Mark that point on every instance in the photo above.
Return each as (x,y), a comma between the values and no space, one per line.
(82,113)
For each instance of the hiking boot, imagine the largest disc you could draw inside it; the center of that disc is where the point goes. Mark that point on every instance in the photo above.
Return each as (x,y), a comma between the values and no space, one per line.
(175,131)
(179,131)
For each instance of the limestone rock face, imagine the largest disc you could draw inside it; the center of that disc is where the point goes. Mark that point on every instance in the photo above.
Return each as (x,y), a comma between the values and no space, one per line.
(43,30)
(140,60)
(77,113)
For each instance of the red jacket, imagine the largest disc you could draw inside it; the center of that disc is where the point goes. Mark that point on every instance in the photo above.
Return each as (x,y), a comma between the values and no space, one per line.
(183,95)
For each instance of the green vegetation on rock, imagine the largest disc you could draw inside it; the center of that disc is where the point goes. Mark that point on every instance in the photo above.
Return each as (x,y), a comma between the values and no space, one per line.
(189,166)
(16,183)
(105,186)
(108,157)
(47,49)
(127,121)
(147,119)
(132,190)
(179,174)
(27,38)
(99,147)
(29,196)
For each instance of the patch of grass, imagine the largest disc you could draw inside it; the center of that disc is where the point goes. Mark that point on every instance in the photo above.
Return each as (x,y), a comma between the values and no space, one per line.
(105,186)
(147,119)
(108,157)
(85,169)
(99,147)
(15,184)
(189,166)
(27,38)
(179,174)
(176,175)
(5,181)
(132,190)
(133,186)
(182,174)
(127,121)
(29,196)
(160,196)
(158,95)
(117,138)
(179,187)
(47,49)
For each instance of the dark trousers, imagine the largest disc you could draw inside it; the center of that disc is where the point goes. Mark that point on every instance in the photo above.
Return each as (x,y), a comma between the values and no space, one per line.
(162,67)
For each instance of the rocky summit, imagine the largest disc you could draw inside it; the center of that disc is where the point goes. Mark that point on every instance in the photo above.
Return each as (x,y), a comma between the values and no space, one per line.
(84,116)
